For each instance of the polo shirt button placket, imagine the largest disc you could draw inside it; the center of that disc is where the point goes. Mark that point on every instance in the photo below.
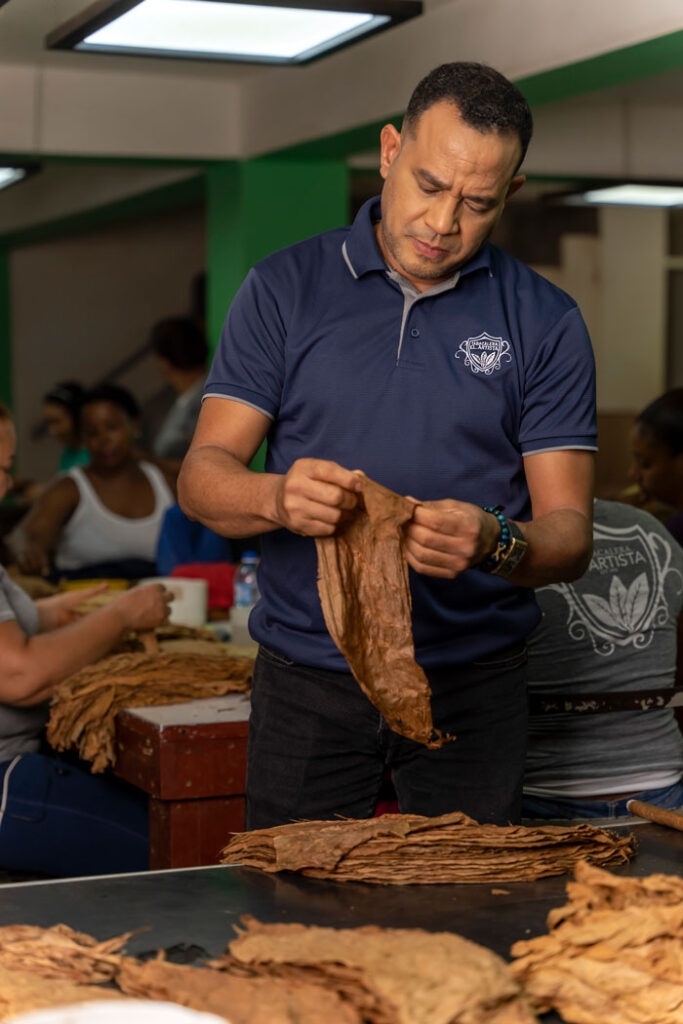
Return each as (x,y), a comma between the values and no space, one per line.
(414,332)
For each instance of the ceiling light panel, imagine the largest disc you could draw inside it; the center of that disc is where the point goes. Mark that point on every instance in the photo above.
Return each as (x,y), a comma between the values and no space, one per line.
(10,176)
(293,31)
(635,195)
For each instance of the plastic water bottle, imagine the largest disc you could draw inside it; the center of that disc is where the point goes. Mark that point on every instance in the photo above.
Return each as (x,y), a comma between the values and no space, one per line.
(246,594)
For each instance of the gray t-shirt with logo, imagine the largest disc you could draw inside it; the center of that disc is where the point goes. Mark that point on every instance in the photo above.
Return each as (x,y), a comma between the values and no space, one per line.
(20,728)
(613,630)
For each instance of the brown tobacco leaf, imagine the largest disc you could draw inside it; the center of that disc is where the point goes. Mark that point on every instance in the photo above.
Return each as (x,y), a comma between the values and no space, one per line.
(172,634)
(23,991)
(365,596)
(60,952)
(390,975)
(240,1000)
(614,954)
(85,705)
(402,849)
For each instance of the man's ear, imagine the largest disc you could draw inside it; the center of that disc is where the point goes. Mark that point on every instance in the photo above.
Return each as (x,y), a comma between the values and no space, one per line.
(515,185)
(390,143)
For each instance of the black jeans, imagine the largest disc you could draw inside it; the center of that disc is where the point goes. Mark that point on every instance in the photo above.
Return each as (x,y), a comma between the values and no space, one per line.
(318,748)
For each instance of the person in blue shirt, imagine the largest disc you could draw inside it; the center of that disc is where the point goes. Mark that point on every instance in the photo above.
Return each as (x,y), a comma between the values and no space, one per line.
(410,348)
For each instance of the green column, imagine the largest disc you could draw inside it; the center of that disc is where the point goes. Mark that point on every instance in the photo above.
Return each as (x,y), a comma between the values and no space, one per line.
(257,206)
(5,330)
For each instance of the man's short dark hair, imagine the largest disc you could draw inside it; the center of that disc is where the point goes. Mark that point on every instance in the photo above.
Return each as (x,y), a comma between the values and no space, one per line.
(179,340)
(663,420)
(114,394)
(486,100)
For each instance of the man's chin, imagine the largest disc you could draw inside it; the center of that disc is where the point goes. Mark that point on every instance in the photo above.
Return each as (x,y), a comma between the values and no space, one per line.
(428,270)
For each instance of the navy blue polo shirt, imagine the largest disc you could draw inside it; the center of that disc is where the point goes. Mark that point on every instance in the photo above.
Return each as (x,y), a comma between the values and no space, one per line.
(436,395)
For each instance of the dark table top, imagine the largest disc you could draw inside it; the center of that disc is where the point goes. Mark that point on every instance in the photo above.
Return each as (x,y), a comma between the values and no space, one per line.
(190,912)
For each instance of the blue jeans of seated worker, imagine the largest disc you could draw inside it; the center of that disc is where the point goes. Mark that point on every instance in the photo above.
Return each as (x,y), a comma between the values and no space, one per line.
(545,807)
(318,748)
(57,819)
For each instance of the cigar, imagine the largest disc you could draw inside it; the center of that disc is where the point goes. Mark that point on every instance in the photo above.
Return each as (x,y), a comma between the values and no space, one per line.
(149,641)
(657,814)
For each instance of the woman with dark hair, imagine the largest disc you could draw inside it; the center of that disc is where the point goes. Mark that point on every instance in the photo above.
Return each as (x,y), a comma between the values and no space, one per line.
(61,415)
(102,519)
(657,455)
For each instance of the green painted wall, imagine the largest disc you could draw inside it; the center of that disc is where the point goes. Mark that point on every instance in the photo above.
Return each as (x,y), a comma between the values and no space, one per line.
(5,330)
(258,206)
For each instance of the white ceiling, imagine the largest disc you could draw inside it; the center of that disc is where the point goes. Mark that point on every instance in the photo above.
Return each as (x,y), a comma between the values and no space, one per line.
(56,103)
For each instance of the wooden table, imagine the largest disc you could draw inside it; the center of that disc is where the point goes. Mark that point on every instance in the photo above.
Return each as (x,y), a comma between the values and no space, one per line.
(191,760)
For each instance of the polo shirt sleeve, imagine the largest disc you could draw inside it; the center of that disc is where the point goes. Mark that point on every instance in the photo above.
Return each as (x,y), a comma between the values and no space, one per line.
(558,409)
(249,363)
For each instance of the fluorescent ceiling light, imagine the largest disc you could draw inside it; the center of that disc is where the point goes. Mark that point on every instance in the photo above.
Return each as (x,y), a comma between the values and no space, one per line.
(10,175)
(269,31)
(632,195)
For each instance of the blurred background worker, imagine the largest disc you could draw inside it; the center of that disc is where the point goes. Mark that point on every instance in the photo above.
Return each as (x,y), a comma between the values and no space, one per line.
(181,352)
(607,640)
(55,817)
(61,417)
(103,519)
(657,456)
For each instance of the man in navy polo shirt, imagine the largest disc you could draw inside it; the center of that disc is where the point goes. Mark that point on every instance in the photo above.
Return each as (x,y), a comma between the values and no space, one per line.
(408,347)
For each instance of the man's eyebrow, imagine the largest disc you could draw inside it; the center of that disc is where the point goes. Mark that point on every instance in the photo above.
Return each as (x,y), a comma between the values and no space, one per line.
(430,178)
(488,201)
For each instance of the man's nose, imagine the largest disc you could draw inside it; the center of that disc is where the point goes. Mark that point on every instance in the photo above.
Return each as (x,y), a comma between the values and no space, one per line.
(634,473)
(443,215)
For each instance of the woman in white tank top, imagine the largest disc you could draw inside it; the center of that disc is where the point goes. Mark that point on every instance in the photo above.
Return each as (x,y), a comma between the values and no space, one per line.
(104,517)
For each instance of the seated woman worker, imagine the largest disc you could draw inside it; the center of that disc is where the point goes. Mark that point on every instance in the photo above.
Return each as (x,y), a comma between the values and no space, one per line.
(55,817)
(103,519)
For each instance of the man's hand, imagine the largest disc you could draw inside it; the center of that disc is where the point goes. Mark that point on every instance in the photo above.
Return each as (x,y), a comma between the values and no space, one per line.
(144,607)
(315,495)
(446,537)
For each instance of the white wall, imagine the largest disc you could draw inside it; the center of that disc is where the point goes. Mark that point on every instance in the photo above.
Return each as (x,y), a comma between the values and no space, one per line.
(81,304)
(631,356)
(80,103)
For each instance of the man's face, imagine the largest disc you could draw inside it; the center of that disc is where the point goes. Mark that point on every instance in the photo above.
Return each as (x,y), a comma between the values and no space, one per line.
(445,187)
(656,469)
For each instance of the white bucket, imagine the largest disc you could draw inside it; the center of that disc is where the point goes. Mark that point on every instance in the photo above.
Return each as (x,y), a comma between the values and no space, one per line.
(190,599)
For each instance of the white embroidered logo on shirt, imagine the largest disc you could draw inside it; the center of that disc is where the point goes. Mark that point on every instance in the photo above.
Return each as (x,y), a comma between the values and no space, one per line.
(631,612)
(484,354)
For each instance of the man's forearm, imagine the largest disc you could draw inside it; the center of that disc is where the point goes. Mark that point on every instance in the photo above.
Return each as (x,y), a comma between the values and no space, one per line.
(223,494)
(560,548)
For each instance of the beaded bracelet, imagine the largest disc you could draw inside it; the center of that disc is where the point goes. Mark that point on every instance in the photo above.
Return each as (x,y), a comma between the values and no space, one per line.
(503,543)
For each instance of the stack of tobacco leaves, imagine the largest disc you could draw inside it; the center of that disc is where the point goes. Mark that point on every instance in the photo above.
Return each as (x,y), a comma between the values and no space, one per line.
(23,991)
(241,1000)
(389,976)
(85,705)
(45,967)
(277,974)
(60,952)
(614,954)
(400,849)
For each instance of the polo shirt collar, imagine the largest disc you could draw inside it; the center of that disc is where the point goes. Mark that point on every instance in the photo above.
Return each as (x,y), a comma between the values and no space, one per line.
(362,254)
